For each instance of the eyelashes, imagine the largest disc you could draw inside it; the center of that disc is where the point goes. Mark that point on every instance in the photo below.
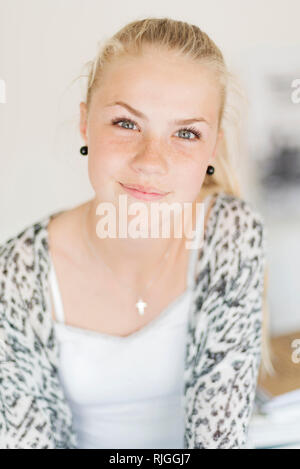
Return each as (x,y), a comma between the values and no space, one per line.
(193,130)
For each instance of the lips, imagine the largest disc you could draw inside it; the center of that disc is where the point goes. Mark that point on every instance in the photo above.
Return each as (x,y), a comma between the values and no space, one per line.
(144,189)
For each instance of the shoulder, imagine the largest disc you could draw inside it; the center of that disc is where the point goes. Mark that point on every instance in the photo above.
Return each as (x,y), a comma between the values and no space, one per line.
(238,222)
(235,247)
(22,243)
(19,259)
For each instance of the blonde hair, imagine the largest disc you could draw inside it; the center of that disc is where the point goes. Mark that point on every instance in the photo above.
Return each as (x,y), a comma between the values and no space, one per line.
(190,41)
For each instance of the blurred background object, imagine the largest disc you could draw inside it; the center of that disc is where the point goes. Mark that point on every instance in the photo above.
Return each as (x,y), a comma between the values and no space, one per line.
(275,421)
(270,74)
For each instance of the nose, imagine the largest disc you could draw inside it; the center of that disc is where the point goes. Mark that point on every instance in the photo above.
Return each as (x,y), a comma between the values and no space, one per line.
(150,159)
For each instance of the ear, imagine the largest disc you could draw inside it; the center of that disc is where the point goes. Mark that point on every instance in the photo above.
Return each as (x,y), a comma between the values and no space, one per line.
(219,140)
(83,121)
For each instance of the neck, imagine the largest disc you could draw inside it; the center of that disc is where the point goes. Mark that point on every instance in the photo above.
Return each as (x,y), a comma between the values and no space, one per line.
(133,260)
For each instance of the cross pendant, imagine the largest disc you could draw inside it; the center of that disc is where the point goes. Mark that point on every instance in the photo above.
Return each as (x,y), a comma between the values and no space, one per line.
(141,306)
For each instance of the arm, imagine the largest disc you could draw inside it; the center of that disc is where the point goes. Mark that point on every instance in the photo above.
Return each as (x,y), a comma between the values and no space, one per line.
(34,412)
(228,348)
(21,419)
(23,424)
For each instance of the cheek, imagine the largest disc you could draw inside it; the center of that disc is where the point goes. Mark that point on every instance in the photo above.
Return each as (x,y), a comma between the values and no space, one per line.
(188,179)
(104,158)
(99,168)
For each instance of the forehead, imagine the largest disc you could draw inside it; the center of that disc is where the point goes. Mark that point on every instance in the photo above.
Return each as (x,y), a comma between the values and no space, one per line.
(163,80)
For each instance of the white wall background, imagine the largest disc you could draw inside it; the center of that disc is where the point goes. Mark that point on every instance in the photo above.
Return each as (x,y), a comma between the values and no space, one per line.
(43,46)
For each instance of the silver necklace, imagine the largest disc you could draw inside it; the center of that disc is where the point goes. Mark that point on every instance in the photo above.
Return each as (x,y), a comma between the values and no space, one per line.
(141,304)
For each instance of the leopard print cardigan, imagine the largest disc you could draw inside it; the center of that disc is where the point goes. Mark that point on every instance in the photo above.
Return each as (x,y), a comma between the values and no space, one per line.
(223,346)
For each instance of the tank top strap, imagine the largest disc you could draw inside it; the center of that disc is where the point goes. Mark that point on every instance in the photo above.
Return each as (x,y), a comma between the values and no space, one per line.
(58,306)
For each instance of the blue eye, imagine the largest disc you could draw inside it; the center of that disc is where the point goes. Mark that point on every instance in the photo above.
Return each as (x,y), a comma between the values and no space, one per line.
(191,130)
(188,130)
(123,119)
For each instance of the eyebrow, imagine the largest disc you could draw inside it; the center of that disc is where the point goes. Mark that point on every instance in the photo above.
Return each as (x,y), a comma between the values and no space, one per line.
(141,115)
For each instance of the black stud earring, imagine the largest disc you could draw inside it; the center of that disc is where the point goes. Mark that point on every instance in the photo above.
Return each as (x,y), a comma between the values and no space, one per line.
(84,150)
(210,170)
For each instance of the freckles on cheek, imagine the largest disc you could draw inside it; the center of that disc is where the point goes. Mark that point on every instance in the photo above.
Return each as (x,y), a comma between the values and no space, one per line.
(104,168)
(190,170)
(186,181)
(105,153)
(191,178)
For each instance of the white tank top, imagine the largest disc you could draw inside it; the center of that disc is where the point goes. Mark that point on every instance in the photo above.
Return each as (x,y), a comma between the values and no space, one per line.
(127,392)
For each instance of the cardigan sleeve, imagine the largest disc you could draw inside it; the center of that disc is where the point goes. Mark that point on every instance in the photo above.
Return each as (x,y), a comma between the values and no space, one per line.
(21,420)
(23,424)
(228,339)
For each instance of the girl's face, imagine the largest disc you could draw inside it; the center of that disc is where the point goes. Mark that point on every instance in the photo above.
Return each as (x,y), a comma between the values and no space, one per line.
(135,131)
